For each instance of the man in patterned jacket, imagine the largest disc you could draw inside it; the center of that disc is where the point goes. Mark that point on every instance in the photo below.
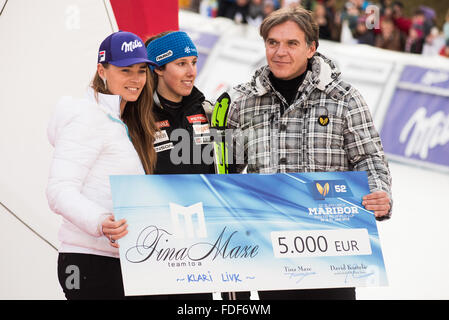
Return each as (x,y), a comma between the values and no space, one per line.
(297,115)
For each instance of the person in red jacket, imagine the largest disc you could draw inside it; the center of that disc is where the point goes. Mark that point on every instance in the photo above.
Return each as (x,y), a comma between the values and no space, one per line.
(445,50)
(401,22)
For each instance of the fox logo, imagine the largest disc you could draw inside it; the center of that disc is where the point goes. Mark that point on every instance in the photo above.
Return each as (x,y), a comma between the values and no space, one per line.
(323,190)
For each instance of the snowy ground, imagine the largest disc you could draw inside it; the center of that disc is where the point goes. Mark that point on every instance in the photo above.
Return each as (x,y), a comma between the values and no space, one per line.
(415,240)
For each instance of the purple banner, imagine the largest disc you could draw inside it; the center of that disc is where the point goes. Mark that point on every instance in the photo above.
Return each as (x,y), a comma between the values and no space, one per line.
(425,77)
(204,42)
(416,124)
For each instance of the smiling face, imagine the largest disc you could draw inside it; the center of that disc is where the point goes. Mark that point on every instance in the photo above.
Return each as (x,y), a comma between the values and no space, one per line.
(287,51)
(177,78)
(126,82)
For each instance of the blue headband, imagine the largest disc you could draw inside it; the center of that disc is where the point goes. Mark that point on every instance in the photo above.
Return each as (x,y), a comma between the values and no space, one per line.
(170,47)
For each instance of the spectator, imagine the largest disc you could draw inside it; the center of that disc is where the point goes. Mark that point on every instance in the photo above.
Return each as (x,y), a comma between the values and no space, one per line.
(433,44)
(290,3)
(323,23)
(268,7)
(361,4)
(445,50)
(385,13)
(414,43)
(350,14)
(332,17)
(418,21)
(208,8)
(255,12)
(429,16)
(390,38)
(446,27)
(235,10)
(184,4)
(191,5)
(363,34)
(308,4)
(401,22)
(385,4)
(415,39)
(353,24)
(241,11)
(195,5)
(224,8)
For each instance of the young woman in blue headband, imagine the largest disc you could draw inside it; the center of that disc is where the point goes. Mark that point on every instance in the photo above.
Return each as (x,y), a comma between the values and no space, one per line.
(180,113)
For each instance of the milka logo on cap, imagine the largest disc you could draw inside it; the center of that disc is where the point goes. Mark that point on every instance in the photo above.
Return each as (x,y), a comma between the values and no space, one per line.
(130,46)
(165,55)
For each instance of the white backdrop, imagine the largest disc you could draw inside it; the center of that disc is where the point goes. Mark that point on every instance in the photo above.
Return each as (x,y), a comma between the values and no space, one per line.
(49,49)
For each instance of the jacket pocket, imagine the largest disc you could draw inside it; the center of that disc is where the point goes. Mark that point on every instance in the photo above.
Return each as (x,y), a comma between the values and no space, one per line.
(325,143)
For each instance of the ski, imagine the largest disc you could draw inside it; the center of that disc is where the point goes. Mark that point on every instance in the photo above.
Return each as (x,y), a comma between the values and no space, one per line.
(219,120)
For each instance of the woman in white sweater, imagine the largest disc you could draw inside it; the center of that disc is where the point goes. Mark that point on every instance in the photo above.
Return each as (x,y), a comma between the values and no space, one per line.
(109,132)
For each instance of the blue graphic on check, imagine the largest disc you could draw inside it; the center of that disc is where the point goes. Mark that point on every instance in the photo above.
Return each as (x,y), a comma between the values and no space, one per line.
(209,233)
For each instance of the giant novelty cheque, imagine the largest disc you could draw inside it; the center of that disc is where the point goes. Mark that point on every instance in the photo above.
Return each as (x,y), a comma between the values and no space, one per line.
(241,232)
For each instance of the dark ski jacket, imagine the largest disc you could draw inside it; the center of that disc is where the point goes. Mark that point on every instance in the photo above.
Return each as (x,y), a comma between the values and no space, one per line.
(183,142)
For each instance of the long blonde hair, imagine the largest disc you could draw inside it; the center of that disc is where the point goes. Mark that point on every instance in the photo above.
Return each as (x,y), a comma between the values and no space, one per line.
(138,116)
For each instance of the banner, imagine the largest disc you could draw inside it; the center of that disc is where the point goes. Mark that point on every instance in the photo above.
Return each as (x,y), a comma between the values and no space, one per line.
(416,124)
(204,42)
(240,232)
(146,17)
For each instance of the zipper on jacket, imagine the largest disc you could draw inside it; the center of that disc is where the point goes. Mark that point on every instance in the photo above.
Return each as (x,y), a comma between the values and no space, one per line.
(122,123)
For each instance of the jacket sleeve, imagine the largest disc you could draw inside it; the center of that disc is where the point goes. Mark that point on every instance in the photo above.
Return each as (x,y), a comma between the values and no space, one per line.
(364,147)
(77,145)
(238,153)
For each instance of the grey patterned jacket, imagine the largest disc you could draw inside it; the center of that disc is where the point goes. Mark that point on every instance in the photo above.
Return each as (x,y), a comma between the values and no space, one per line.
(345,138)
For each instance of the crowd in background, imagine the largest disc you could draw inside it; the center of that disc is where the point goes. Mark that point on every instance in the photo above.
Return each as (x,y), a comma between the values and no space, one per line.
(380,23)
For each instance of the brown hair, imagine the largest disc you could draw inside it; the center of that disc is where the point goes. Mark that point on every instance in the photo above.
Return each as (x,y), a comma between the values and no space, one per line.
(147,42)
(138,116)
(302,17)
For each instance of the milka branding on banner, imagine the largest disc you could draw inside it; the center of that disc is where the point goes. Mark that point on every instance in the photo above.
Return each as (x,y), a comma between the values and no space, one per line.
(433,77)
(423,132)
(416,124)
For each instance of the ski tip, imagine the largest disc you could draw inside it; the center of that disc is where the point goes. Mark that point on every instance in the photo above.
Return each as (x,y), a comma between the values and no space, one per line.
(219,115)
(223,96)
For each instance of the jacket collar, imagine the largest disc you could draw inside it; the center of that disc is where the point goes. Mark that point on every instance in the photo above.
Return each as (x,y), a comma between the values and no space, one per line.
(195,97)
(109,103)
(324,72)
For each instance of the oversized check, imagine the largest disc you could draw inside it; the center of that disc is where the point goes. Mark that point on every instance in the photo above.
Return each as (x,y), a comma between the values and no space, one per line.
(240,232)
